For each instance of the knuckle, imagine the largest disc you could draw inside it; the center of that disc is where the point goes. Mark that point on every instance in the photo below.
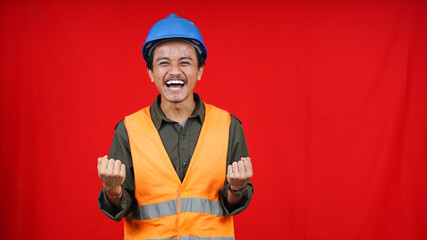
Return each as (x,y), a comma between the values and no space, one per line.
(110,175)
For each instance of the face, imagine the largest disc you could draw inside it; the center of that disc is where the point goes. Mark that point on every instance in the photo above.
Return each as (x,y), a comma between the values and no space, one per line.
(175,71)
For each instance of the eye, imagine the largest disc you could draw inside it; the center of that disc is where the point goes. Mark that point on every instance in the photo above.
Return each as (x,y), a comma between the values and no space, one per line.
(185,63)
(163,63)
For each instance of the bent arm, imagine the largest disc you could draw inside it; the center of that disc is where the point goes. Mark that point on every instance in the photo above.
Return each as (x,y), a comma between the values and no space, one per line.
(237,149)
(120,207)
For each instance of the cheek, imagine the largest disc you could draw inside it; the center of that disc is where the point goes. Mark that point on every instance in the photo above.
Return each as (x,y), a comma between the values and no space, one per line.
(192,72)
(159,74)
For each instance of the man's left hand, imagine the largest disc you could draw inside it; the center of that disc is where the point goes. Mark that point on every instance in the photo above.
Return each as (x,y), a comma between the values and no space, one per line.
(239,173)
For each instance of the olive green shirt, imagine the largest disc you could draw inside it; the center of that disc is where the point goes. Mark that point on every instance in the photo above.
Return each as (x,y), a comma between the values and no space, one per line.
(179,140)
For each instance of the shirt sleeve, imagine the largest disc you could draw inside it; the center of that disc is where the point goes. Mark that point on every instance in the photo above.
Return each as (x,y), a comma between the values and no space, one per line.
(120,150)
(237,148)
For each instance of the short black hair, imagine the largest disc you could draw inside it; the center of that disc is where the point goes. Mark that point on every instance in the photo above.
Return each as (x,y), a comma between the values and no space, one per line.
(200,60)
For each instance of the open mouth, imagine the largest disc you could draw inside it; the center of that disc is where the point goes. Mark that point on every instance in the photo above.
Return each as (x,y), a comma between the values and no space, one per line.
(175,83)
(175,89)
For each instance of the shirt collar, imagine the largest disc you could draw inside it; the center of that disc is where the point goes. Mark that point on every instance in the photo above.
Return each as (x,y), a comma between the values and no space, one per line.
(159,117)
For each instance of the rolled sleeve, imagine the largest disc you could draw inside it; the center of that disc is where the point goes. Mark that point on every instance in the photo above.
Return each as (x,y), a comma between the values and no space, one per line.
(108,209)
(242,205)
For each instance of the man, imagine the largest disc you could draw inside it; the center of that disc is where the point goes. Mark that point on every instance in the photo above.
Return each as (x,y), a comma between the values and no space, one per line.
(178,169)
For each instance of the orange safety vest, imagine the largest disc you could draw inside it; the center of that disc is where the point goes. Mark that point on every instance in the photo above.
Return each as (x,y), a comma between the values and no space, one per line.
(167,207)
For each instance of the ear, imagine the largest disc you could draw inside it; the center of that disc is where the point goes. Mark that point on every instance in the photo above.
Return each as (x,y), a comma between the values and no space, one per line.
(150,74)
(200,73)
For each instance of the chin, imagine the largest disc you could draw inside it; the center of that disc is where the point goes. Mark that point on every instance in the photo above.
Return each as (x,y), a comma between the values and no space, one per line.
(175,99)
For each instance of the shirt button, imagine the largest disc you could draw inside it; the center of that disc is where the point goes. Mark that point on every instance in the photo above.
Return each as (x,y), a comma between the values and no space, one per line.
(184,164)
(183,136)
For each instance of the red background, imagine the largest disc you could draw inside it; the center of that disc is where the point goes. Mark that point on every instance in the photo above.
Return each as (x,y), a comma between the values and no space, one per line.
(332,96)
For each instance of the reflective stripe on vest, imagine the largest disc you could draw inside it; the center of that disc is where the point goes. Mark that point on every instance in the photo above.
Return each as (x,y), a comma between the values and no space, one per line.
(162,209)
(169,209)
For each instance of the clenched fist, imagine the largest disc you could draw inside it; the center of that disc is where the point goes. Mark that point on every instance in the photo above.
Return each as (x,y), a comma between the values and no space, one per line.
(112,174)
(239,173)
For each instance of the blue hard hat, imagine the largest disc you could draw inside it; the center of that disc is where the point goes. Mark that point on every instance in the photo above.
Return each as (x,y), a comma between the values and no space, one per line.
(170,28)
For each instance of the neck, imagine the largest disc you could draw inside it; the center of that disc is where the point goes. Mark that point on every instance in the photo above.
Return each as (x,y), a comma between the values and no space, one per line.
(178,112)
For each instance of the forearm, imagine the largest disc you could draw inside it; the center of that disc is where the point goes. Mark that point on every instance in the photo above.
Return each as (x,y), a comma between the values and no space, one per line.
(115,197)
(233,200)
(127,205)
(116,202)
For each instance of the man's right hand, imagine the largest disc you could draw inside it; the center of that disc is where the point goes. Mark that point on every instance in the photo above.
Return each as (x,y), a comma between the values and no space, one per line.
(112,174)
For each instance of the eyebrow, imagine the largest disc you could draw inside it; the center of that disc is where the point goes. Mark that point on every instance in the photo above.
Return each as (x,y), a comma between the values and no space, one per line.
(162,58)
(166,58)
(189,58)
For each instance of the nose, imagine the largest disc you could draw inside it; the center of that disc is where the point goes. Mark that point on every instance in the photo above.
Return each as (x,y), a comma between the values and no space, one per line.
(175,70)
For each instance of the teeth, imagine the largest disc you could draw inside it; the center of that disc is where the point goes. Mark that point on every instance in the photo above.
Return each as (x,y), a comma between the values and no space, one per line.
(175,82)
